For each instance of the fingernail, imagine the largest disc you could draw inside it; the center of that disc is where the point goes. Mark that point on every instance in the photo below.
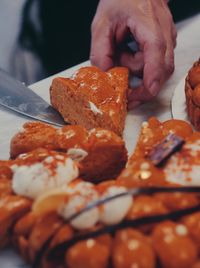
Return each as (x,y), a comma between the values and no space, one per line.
(133,104)
(154,88)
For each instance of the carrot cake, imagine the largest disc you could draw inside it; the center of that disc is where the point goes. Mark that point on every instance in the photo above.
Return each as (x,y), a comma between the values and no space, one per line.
(56,219)
(92,98)
(192,93)
(32,174)
(101,153)
(116,228)
(167,153)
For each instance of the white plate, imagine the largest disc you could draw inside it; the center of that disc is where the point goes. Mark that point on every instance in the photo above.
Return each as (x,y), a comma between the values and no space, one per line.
(178,102)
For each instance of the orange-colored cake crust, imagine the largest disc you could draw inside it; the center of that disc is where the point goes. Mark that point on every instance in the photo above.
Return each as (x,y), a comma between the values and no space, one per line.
(180,169)
(172,243)
(169,243)
(192,93)
(92,98)
(130,239)
(5,170)
(102,153)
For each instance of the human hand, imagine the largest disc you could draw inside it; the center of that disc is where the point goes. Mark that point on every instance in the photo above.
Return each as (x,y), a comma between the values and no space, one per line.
(151,25)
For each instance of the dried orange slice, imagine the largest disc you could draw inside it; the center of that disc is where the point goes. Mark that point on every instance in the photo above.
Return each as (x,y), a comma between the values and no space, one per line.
(50,201)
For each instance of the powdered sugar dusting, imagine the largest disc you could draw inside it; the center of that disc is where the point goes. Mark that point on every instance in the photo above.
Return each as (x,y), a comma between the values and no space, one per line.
(69,133)
(184,167)
(94,108)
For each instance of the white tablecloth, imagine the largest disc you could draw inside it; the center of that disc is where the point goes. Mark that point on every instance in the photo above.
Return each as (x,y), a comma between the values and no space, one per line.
(187,51)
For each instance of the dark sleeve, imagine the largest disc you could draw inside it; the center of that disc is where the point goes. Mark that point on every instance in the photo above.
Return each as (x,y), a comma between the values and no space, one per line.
(182,9)
(66,32)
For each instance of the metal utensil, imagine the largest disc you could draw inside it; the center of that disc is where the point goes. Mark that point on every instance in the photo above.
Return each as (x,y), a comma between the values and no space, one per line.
(17,97)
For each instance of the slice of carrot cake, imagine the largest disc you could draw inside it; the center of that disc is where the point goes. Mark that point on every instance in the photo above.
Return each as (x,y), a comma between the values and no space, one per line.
(92,98)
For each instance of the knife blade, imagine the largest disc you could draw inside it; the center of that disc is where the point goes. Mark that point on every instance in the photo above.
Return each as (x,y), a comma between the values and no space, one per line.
(19,98)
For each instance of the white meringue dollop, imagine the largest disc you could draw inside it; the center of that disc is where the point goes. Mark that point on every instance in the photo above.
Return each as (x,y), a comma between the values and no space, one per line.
(115,210)
(53,171)
(80,196)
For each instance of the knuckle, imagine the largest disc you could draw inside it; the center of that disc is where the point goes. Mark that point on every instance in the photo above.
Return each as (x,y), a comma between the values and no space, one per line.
(93,25)
(174,33)
(170,18)
(100,22)
(175,43)
(170,68)
(93,59)
(161,44)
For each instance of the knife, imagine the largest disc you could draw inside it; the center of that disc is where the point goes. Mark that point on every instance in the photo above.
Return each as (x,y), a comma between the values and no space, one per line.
(19,98)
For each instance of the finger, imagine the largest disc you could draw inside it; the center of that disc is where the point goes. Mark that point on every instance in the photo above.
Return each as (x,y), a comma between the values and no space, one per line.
(153,45)
(134,104)
(102,49)
(169,56)
(165,20)
(174,34)
(139,94)
(154,73)
(133,61)
(166,15)
(169,60)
